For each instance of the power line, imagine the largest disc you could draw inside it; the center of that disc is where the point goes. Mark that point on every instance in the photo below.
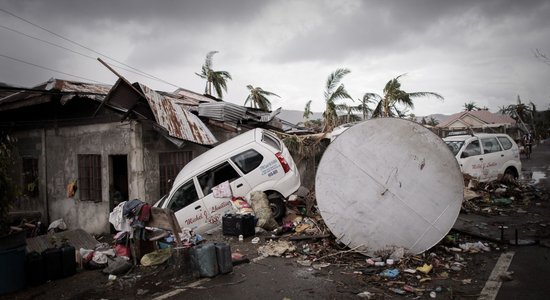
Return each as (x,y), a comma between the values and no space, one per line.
(49,69)
(68,49)
(85,47)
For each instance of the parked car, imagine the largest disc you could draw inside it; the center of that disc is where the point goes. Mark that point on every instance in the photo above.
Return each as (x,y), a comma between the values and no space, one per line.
(253,161)
(486,156)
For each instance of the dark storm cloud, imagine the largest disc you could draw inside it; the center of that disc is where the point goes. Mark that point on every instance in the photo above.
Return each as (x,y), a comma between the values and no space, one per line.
(466,50)
(385,27)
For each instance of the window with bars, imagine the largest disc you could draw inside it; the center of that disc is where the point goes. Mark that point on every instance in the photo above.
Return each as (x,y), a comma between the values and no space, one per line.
(30,176)
(89,177)
(170,164)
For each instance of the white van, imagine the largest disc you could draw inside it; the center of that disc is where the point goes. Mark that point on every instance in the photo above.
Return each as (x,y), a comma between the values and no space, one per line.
(486,156)
(253,161)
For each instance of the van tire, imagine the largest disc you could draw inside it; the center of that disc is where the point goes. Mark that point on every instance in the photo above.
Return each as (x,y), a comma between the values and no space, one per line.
(510,171)
(277,205)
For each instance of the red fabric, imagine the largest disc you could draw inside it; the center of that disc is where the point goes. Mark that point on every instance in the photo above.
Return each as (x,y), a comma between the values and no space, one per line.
(122,250)
(145,212)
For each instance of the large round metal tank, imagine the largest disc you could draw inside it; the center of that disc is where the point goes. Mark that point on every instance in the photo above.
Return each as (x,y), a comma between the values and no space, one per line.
(389,183)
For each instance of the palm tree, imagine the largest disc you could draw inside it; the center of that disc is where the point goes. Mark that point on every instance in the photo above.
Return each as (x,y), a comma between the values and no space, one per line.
(363,105)
(433,121)
(215,79)
(307,111)
(259,98)
(393,96)
(350,116)
(334,91)
(469,106)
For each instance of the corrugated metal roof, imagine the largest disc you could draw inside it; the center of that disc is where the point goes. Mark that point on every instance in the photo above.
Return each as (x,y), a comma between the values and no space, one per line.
(175,118)
(70,89)
(223,111)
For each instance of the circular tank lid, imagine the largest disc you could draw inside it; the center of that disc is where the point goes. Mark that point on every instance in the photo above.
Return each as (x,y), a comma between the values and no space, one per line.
(389,183)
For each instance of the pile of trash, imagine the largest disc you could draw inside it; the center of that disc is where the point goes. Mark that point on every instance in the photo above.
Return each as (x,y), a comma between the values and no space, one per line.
(500,197)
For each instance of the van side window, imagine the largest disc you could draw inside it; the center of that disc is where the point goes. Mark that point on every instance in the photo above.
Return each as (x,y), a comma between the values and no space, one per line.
(472,149)
(505,142)
(185,195)
(490,145)
(248,160)
(215,176)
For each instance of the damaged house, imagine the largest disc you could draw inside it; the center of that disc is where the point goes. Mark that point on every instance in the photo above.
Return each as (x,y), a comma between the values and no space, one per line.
(83,147)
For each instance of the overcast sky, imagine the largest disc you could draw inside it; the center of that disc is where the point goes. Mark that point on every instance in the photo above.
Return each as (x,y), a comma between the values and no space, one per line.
(480,51)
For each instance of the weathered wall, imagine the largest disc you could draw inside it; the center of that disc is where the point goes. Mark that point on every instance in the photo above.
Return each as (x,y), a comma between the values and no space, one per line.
(29,145)
(63,145)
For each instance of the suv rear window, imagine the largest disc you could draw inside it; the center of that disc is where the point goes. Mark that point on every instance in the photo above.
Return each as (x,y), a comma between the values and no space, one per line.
(490,145)
(271,141)
(248,160)
(505,142)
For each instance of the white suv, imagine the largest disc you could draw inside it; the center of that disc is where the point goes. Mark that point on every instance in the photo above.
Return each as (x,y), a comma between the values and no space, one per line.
(486,156)
(253,161)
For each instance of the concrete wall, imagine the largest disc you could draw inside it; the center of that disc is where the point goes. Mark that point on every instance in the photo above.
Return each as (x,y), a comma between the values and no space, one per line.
(57,151)
(63,145)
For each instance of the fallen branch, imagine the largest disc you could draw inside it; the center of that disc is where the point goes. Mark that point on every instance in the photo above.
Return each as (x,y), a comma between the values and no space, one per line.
(308,237)
(339,252)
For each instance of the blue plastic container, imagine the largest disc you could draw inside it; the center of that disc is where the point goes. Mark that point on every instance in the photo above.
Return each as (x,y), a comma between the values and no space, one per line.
(223,255)
(12,270)
(207,260)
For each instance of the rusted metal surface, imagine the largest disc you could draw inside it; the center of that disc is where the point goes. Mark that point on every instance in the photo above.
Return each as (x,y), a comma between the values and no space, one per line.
(192,97)
(70,89)
(179,122)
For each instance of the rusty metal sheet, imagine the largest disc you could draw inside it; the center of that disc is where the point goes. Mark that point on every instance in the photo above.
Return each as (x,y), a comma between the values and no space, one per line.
(193,97)
(179,122)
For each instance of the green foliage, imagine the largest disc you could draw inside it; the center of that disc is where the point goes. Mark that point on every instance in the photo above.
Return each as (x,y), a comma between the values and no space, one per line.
(470,106)
(258,98)
(394,97)
(334,91)
(214,79)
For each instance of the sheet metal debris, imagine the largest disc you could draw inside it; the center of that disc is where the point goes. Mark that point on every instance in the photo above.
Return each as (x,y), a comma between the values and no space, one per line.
(179,122)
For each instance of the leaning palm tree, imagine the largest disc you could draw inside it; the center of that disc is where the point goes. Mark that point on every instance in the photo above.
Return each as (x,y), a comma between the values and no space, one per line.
(470,106)
(334,91)
(214,79)
(258,98)
(393,96)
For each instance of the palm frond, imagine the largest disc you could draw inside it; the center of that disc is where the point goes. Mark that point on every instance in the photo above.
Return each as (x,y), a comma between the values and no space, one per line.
(335,78)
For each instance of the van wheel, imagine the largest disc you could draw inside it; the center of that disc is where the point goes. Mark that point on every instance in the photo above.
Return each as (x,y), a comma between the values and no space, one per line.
(277,205)
(511,172)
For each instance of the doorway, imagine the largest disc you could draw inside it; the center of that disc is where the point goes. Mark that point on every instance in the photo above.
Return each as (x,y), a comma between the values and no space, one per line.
(118,184)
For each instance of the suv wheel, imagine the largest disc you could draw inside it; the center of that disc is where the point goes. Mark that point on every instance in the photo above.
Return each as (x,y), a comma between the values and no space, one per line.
(277,205)
(511,172)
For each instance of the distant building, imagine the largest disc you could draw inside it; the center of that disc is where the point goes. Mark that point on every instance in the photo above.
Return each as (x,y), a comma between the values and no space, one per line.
(477,121)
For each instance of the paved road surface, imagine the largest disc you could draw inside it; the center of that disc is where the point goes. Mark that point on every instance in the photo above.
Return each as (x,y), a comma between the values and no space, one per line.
(531,264)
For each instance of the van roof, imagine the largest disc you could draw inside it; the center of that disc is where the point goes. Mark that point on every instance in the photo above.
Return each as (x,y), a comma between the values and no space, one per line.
(467,136)
(220,150)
